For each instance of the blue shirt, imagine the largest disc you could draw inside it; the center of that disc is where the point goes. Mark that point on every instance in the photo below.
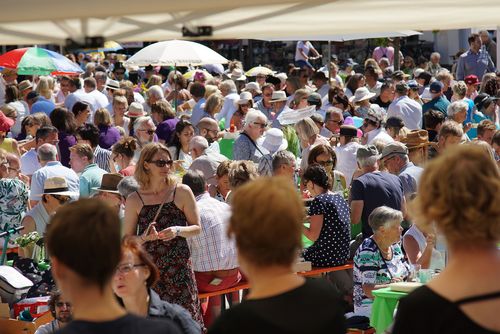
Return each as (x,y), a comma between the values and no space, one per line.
(440,103)
(197,113)
(409,176)
(474,63)
(91,177)
(51,169)
(43,105)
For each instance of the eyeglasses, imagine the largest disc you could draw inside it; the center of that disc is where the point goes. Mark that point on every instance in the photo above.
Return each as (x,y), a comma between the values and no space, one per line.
(149,132)
(336,122)
(325,163)
(62,199)
(262,125)
(62,304)
(14,170)
(162,163)
(128,267)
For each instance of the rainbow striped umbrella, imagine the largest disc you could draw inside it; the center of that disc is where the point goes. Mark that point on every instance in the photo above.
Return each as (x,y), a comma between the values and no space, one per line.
(38,61)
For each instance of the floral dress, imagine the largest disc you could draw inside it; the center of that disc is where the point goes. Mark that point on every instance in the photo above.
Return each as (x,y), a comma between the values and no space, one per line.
(13,202)
(177,283)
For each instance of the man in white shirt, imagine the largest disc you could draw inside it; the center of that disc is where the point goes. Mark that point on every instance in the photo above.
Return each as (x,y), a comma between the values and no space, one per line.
(99,99)
(372,126)
(29,160)
(302,54)
(409,110)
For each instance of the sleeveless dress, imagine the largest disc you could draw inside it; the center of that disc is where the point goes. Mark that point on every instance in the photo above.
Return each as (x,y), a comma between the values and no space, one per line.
(177,283)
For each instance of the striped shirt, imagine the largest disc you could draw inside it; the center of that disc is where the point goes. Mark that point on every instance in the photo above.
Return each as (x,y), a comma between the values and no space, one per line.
(101,158)
(211,249)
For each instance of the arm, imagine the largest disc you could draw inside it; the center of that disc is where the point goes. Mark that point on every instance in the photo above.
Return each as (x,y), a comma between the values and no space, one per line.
(184,199)
(132,207)
(312,232)
(314,51)
(414,254)
(356,211)
(29,224)
(15,148)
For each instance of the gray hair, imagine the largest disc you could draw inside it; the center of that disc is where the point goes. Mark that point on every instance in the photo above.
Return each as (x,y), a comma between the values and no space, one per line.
(283,157)
(253,115)
(229,85)
(435,54)
(199,142)
(333,110)
(141,120)
(47,152)
(367,161)
(156,91)
(384,216)
(127,186)
(456,107)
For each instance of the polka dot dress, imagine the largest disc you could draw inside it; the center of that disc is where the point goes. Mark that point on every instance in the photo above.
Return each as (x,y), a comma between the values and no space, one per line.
(332,246)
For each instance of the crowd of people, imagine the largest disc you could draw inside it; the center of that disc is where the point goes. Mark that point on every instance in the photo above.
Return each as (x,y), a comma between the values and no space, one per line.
(152,186)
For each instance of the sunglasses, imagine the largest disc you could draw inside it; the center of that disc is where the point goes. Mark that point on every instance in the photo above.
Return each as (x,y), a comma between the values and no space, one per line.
(326,163)
(62,199)
(262,125)
(162,163)
(149,132)
(336,122)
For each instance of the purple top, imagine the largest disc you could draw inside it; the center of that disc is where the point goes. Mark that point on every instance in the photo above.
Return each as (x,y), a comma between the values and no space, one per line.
(65,142)
(166,129)
(108,136)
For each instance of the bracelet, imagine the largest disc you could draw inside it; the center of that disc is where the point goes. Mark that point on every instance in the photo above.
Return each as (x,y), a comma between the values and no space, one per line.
(177,231)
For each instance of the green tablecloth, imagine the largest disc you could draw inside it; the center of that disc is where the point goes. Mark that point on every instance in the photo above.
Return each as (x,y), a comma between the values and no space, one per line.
(383,308)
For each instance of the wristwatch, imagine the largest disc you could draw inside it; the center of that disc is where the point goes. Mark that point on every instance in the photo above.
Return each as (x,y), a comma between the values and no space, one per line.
(177,231)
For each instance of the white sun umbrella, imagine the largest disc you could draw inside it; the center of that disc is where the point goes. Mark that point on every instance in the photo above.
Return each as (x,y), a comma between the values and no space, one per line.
(176,53)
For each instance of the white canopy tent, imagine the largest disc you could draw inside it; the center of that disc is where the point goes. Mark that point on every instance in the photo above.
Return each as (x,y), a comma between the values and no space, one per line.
(50,21)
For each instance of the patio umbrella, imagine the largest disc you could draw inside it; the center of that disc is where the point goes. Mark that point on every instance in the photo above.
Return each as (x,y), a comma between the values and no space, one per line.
(259,70)
(109,46)
(176,53)
(38,61)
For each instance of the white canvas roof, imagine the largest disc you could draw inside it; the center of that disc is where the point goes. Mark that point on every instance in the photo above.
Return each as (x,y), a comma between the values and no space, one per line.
(52,21)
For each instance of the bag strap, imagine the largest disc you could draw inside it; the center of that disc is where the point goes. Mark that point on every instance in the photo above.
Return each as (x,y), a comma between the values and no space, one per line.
(159,209)
(253,143)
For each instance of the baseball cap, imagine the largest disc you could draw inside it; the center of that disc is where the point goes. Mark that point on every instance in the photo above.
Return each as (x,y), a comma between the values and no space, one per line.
(402,87)
(393,148)
(367,151)
(436,87)
(472,80)
(413,84)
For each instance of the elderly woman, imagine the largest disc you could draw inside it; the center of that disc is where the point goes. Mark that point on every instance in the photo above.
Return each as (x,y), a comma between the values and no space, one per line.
(164,116)
(267,226)
(243,105)
(153,94)
(162,214)
(325,156)
(245,146)
(457,111)
(330,220)
(133,281)
(462,205)
(379,260)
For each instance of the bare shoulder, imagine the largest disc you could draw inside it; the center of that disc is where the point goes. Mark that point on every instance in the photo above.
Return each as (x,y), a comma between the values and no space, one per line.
(183,191)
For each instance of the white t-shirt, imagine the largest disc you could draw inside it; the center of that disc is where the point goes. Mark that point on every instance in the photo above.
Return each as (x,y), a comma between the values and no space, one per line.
(305,46)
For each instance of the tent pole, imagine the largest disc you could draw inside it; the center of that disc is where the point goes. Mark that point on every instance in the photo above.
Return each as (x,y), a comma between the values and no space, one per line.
(329,62)
(498,48)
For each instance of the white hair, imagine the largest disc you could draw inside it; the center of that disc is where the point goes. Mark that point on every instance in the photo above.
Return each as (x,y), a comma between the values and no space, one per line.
(156,91)
(435,54)
(252,116)
(368,161)
(199,142)
(384,216)
(229,85)
(140,121)
(47,152)
(456,107)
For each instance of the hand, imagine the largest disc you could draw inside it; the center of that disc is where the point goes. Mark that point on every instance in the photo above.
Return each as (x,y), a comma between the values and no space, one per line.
(150,234)
(168,234)
(430,239)
(24,178)
(467,127)
(396,279)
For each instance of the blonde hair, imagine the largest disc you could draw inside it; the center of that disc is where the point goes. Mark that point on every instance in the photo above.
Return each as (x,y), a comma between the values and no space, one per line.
(306,128)
(83,150)
(8,110)
(148,152)
(154,80)
(240,172)
(43,88)
(299,95)
(102,117)
(462,192)
(266,221)
(209,90)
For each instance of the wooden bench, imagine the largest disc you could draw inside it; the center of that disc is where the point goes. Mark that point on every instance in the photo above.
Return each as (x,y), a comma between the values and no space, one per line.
(315,271)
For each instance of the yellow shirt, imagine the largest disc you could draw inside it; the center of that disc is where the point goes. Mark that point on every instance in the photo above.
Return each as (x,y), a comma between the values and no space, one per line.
(7,145)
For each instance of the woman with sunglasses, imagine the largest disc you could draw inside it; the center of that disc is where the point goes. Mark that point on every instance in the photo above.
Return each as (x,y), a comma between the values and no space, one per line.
(162,214)
(245,146)
(133,281)
(179,144)
(325,156)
